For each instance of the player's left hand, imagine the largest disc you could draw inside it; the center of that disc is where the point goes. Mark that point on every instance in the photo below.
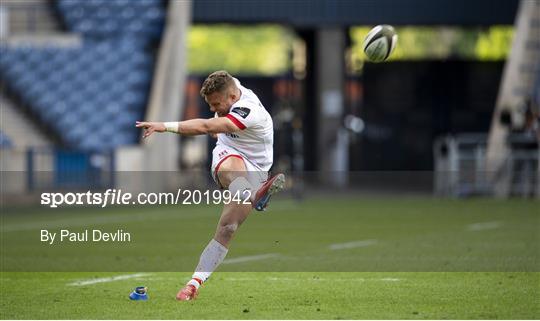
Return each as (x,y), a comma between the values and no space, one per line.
(150,127)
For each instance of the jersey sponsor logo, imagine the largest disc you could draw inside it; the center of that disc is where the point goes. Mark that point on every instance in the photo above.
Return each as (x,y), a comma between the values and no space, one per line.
(231,135)
(223,153)
(242,111)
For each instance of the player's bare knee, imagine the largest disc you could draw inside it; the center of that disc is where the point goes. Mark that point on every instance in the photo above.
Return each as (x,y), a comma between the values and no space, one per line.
(227,230)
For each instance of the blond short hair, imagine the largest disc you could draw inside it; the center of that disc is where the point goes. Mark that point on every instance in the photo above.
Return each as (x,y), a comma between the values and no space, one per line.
(217,81)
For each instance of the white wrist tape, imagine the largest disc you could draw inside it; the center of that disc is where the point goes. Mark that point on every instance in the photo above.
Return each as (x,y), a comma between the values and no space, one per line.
(172,126)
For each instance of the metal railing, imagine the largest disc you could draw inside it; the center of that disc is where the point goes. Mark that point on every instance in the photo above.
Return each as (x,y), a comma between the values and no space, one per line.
(460,167)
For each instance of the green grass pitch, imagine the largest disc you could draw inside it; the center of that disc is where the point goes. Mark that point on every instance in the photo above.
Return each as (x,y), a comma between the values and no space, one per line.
(259,295)
(325,258)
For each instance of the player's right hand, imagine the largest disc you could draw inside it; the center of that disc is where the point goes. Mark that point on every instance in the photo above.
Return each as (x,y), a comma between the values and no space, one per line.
(150,127)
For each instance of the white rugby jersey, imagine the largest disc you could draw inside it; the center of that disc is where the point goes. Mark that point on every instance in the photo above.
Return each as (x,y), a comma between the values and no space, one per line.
(256,138)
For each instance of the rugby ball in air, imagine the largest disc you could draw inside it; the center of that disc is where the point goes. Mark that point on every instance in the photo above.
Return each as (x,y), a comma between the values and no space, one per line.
(380,42)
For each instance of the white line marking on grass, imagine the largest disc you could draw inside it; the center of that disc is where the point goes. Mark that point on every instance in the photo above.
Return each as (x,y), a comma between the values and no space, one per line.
(483,226)
(355,279)
(108,279)
(241,279)
(242,259)
(281,279)
(351,245)
(312,279)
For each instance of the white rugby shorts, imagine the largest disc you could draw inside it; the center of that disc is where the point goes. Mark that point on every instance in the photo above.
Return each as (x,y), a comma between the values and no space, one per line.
(255,175)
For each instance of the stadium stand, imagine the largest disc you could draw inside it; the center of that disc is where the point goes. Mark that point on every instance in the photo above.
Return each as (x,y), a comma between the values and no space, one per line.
(103,18)
(90,96)
(103,82)
(22,131)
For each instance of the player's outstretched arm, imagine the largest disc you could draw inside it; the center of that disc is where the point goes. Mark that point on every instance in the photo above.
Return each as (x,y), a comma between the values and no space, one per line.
(192,127)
